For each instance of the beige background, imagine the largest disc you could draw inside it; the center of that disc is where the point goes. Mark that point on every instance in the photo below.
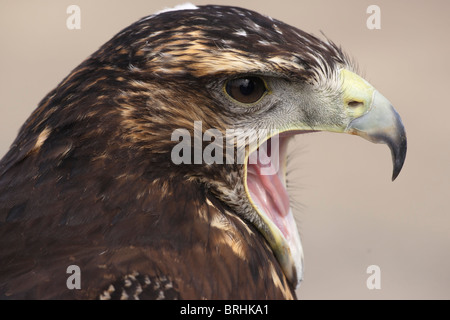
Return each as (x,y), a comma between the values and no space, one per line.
(351,215)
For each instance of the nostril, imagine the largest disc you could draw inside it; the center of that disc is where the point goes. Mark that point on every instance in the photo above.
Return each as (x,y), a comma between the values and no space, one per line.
(355,104)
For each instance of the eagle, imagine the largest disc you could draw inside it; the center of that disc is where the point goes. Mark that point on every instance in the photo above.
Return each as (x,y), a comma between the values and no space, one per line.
(125,171)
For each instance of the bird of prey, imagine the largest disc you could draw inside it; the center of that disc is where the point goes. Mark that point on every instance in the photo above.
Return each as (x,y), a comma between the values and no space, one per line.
(91,180)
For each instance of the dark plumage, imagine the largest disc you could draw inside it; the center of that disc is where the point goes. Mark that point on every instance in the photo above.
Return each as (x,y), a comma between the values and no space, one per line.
(89,180)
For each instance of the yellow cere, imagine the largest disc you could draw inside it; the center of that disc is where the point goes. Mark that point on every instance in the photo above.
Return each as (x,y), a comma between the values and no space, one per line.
(357,93)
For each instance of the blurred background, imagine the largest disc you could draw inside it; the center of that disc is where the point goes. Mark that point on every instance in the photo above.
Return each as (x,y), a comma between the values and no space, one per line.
(350,214)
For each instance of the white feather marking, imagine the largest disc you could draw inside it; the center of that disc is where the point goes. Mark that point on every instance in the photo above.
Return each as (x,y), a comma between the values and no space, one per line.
(277,29)
(241,32)
(184,6)
(41,138)
(264,42)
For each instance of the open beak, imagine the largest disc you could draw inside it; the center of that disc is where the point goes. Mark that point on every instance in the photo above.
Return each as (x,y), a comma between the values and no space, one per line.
(369,115)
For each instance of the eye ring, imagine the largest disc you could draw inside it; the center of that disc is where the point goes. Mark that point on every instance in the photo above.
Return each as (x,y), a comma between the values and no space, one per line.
(246,90)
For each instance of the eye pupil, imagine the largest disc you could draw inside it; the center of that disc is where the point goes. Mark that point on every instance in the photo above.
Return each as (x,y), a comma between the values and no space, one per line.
(246,90)
(247,87)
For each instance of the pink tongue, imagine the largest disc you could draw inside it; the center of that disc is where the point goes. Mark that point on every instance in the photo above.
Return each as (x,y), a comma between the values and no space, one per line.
(269,194)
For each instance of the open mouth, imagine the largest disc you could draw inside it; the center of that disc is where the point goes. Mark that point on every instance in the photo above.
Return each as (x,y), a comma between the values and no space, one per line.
(266,180)
(266,188)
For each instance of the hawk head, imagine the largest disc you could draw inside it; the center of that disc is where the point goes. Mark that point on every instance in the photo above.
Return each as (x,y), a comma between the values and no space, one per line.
(231,68)
(159,102)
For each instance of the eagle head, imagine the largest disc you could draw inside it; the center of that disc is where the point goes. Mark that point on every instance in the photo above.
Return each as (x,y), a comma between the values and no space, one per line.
(199,104)
(258,81)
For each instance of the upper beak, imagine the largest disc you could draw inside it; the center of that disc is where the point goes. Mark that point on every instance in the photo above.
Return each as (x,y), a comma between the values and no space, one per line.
(382,124)
(374,118)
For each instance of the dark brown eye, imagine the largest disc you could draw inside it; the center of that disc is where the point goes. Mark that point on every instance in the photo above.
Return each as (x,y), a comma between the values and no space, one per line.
(246,90)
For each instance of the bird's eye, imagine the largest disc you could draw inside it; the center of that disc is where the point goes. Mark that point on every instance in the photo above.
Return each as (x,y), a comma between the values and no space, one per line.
(246,90)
